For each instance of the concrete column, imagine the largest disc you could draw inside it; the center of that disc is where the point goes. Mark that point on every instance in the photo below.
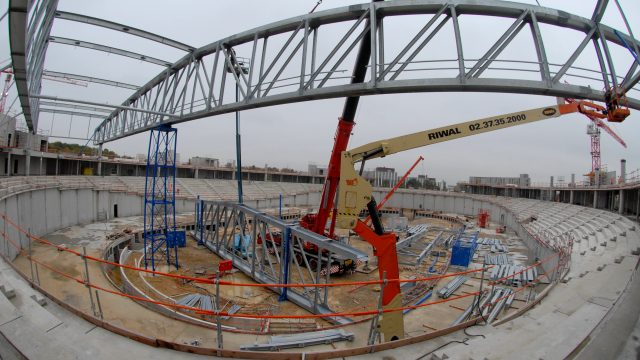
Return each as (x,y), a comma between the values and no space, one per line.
(638,205)
(100,160)
(595,199)
(621,202)
(40,172)
(551,182)
(623,172)
(571,197)
(118,169)
(573,180)
(196,173)
(27,162)
(266,172)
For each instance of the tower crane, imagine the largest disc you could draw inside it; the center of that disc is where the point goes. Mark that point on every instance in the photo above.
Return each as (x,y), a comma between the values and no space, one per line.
(5,92)
(593,130)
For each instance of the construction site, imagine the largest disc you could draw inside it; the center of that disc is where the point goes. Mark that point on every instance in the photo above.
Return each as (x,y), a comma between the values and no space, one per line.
(155,256)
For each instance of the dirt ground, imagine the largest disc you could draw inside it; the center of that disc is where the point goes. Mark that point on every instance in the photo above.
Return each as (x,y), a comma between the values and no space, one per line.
(198,261)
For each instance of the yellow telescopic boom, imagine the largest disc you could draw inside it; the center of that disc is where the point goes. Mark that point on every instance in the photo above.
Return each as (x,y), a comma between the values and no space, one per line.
(355,192)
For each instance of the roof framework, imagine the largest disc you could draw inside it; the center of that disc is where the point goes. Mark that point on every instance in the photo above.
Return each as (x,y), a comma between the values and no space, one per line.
(198,85)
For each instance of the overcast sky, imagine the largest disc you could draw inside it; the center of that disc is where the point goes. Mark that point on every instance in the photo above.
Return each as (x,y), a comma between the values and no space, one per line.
(298,134)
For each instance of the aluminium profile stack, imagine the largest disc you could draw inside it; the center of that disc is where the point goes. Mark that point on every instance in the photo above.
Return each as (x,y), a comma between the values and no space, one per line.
(513,275)
(452,286)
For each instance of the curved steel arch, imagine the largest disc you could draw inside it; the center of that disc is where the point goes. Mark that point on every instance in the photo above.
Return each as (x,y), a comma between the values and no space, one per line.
(194,86)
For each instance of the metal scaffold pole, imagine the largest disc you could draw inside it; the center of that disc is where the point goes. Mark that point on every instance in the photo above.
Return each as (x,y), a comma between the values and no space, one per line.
(238,152)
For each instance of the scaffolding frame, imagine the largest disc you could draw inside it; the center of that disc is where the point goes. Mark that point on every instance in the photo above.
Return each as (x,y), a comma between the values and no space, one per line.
(160,239)
(267,249)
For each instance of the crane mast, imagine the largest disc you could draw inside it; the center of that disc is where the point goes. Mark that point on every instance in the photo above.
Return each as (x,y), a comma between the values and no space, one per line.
(318,222)
(5,92)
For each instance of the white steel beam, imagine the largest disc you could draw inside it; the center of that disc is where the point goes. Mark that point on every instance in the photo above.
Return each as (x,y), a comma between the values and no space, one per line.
(107,49)
(123,28)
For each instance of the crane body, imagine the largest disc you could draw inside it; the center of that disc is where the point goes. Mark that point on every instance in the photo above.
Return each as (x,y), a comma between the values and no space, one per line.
(355,193)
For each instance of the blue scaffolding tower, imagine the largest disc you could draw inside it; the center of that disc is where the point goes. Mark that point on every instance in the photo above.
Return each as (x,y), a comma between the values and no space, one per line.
(160,236)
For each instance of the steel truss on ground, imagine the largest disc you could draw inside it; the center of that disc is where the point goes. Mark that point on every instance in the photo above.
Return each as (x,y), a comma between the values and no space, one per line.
(293,68)
(268,250)
(160,239)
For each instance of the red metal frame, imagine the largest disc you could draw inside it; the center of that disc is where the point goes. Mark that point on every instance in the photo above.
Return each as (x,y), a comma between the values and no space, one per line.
(384,247)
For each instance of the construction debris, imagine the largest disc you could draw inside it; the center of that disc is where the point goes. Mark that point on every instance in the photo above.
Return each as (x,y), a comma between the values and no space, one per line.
(301,340)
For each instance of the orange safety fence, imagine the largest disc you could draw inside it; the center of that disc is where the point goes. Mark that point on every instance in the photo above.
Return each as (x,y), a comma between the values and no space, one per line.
(231,283)
(235,315)
(244,315)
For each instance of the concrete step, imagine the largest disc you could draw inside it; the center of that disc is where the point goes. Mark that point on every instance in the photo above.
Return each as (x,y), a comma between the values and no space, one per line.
(30,302)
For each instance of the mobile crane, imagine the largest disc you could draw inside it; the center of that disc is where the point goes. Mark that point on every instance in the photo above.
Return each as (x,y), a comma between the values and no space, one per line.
(355,193)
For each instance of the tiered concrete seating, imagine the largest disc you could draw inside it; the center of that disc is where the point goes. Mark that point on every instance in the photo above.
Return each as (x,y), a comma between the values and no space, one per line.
(199,187)
(225,188)
(73,182)
(12,185)
(112,183)
(271,189)
(135,184)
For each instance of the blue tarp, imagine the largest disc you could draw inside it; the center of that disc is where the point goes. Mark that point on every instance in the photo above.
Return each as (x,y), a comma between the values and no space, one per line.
(176,237)
(463,249)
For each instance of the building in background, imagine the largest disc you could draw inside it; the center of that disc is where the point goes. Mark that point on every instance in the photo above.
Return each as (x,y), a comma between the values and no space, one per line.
(522,181)
(208,162)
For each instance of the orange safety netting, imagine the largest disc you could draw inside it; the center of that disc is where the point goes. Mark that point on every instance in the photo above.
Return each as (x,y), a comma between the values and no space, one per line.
(245,315)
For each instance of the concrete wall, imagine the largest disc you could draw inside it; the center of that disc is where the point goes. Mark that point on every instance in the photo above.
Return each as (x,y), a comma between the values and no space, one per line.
(46,210)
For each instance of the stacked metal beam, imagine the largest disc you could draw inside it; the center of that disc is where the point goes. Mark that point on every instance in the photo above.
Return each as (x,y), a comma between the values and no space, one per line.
(452,286)
(301,340)
(497,259)
(414,233)
(488,241)
(489,305)
(514,274)
(199,301)
(499,248)
(417,229)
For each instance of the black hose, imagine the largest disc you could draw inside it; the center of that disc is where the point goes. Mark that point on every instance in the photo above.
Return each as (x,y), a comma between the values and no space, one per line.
(472,335)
